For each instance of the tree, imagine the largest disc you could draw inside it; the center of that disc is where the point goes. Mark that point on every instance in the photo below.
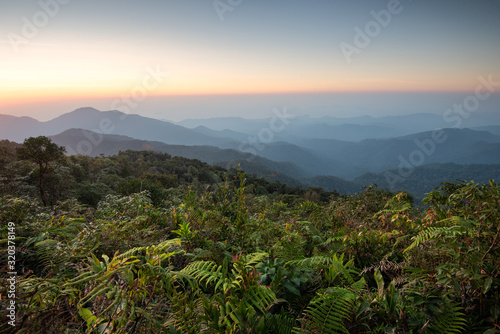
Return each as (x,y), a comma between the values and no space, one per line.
(42,151)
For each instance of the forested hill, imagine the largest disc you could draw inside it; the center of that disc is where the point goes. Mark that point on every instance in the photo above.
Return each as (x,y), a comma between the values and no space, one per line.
(111,174)
(90,179)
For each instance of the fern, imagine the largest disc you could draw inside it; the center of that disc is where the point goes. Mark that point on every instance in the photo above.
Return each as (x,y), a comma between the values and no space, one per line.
(239,301)
(236,308)
(333,239)
(184,313)
(384,266)
(47,253)
(334,266)
(289,248)
(450,319)
(205,272)
(200,254)
(392,269)
(359,285)
(433,233)
(338,268)
(260,298)
(254,258)
(327,313)
(405,207)
(279,323)
(151,249)
(314,262)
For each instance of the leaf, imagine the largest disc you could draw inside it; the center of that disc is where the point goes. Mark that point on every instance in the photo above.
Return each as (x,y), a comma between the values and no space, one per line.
(87,315)
(380,282)
(291,288)
(487,285)
(106,259)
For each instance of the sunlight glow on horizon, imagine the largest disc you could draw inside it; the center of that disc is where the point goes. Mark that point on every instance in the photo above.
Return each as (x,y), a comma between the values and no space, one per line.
(33,77)
(262,48)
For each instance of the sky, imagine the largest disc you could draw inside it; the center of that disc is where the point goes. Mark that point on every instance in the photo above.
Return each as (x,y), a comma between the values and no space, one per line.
(208,58)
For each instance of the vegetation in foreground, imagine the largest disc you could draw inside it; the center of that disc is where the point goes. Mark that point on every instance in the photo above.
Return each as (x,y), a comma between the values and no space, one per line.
(146,243)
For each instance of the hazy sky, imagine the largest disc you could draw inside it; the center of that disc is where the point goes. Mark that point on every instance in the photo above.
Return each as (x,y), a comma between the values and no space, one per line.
(139,56)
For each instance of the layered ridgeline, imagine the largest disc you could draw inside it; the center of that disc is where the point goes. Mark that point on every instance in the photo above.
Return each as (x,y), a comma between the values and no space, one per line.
(108,122)
(333,153)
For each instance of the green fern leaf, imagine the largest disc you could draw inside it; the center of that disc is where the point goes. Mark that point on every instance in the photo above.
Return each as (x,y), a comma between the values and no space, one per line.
(450,320)
(327,313)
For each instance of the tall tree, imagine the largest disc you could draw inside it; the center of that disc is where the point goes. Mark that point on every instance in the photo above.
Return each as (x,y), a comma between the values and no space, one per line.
(42,151)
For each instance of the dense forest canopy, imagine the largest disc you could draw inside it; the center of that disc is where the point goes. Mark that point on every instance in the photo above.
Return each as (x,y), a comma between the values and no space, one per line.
(89,179)
(142,242)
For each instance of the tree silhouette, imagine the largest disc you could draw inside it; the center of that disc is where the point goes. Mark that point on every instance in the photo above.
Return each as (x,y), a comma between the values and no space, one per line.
(42,151)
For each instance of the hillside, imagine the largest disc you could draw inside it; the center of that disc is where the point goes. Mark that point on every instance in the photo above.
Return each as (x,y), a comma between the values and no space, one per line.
(461,146)
(77,141)
(423,180)
(189,246)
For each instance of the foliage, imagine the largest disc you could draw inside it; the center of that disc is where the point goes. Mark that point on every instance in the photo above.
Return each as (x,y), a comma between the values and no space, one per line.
(43,152)
(154,244)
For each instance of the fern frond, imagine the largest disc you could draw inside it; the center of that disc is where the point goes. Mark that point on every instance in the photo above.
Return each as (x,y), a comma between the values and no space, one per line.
(202,254)
(384,266)
(289,248)
(254,258)
(280,323)
(156,249)
(394,270)
(261,298)
(432,233)
(314,262)
(50,254)
(204,272)
(450,320)
(326,313)
(359,285)
(405,207)
(335,238)
(36,239)
(185,311)
(337,268)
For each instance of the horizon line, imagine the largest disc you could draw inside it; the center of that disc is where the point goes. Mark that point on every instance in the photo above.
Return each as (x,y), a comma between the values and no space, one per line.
(191,118)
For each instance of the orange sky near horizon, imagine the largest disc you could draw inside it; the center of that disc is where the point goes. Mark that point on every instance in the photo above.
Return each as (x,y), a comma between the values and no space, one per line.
(73,70)
(32,88)
(91,50)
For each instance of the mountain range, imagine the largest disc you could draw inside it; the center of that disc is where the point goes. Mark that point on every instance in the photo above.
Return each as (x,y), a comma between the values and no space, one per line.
(327,152)
(108,122)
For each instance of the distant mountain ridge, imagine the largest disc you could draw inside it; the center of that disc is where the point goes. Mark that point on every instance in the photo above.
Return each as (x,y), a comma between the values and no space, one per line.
(107,145)
(328,127)
(106,122)
(422,180)
(461,146)
(285,172)
(301,147)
